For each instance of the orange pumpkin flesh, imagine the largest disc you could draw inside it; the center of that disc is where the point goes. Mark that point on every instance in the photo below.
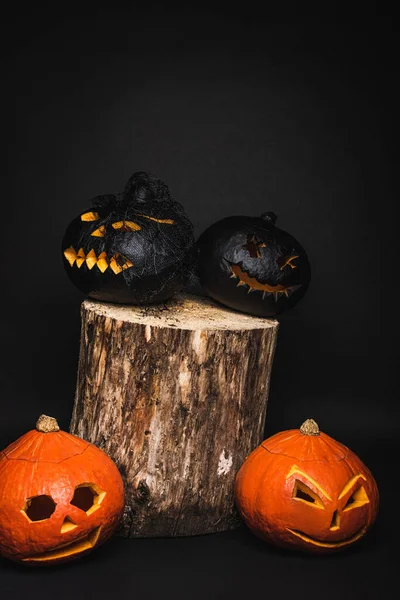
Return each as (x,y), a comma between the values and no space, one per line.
(60,496)
(302,489)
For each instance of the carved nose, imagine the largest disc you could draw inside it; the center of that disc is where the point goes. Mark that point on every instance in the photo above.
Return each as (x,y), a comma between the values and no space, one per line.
(68,525)
(335,523)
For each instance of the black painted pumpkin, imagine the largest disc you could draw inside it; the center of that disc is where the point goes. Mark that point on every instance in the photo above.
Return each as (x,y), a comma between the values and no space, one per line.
(250,265)
(132,247)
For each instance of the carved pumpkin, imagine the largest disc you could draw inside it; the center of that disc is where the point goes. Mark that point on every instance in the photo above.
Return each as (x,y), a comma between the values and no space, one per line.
(250,265)
(303,490)
(131,247)
(60,496)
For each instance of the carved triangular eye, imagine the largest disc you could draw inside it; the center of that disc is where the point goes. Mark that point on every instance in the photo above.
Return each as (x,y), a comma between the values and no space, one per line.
(100,232)
(358,498)
(303,493)
(304,496)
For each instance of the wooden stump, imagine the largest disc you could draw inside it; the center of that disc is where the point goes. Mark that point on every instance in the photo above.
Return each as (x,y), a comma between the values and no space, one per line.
(177,398)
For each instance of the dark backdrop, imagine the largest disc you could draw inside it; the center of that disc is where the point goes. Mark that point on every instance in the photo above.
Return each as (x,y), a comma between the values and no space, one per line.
(239,113)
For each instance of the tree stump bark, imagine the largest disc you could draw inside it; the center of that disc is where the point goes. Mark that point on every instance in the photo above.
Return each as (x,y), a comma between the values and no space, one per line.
(177,398)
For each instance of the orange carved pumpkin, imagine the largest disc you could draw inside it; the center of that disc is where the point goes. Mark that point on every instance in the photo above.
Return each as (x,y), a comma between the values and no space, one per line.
(60,496)
(302,489)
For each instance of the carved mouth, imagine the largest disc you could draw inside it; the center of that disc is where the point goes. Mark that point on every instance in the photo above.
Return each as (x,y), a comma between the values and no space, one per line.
(316,542)
(116,263)
(254,285)
(86,542)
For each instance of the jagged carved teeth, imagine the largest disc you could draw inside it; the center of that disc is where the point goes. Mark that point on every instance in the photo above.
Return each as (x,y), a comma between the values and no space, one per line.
(254,285)
(116,263)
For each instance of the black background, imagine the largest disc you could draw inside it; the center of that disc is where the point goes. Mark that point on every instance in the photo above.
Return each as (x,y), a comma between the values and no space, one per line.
(239,113)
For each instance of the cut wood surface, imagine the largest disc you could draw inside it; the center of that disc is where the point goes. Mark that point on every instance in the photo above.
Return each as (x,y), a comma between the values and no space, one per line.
(177,398)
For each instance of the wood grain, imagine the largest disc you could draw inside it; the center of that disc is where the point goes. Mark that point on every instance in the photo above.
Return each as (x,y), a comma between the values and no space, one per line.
(178,399)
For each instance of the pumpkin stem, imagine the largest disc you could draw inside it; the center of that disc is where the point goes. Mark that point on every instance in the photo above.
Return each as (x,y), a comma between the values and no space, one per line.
(309,427)
(47,424)
(144,187)
(270,217)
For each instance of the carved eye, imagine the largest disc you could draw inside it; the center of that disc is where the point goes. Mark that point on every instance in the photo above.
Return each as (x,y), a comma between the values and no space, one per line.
(303,493)
(39,508)
(100,232)
(253,246)
(126,226)
(358,498)
(87,497)
(287,261)
(90,216)
(162,221)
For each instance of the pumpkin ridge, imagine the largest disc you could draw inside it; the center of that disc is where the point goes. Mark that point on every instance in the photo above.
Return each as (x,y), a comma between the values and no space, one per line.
(30,444)
(333,445)
(27,440)
(255,512)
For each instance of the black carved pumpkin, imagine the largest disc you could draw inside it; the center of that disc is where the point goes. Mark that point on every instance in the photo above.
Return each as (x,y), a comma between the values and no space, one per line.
(250,265)
(132,247)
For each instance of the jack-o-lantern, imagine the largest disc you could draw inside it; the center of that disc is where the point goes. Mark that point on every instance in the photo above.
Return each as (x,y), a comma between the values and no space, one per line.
(250,265)
(132,247)
(60,496)
(303,490)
